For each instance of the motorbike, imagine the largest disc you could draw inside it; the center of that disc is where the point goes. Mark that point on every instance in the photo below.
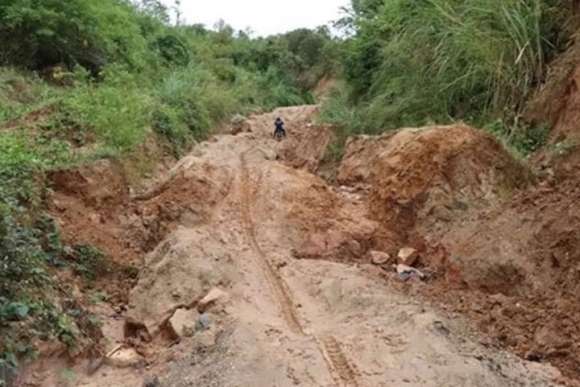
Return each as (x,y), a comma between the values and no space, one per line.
(279,134)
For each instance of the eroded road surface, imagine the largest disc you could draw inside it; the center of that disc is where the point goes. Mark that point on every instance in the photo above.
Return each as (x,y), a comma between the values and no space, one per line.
(285,321)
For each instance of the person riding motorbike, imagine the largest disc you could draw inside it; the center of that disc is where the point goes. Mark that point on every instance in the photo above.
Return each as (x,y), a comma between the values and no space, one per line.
(279,126)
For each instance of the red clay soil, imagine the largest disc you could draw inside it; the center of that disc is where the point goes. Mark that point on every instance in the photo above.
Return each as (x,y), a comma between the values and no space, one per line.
(520,270)
(90,203)
(558,105)
(516,266)
(86,204)
(93,205)
(423,180)
(513,268)
(496,247)
(307,145)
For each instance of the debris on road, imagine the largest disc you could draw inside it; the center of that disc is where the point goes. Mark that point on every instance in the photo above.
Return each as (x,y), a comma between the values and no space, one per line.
(408,256)
(379,257)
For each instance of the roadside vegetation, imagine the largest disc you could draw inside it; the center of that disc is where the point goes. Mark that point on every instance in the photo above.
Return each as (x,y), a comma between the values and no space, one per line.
(82,80)
(412,63)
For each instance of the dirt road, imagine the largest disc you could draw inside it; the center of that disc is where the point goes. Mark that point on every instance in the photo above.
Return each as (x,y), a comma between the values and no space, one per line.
(243,214)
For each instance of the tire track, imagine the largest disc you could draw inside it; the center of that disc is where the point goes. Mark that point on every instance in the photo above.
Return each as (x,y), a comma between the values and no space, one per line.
(342,370)
(277,284)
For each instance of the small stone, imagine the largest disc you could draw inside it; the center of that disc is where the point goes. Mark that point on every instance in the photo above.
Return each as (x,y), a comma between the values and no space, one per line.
(407,256)
(203,322)
(379,258)
(404,276)
(440,327)
(212,297)
(183,322)
(402,269)
(124,358)
(151,381)
(353,246)
(533,356)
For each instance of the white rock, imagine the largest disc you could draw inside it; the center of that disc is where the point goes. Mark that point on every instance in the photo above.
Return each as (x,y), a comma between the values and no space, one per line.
(124,358)
(211,298)
(408,269)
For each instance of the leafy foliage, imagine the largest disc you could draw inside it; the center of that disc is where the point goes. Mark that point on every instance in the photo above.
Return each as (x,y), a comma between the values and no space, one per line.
(81,80)
(409,63)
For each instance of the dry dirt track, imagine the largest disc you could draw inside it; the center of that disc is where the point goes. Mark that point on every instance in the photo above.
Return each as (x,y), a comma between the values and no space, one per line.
(339,365)
(289,322)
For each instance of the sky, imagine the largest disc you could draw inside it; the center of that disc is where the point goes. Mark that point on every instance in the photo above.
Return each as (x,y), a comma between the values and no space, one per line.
(263,17)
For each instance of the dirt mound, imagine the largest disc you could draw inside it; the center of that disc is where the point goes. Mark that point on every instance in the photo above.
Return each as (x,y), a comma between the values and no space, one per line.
(187,197)
(179,273)
(306,146)
(305,143)
(523,258)
(305,214)
(88,203)
(422,180)
(100,185)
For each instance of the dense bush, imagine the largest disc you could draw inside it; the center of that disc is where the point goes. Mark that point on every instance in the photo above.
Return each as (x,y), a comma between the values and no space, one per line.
(107,74)
(409,63)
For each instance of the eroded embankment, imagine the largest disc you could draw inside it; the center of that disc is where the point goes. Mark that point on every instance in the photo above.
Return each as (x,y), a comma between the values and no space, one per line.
(229,223)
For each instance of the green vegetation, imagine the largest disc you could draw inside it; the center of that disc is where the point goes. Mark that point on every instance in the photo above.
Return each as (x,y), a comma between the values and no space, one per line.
(410,63)
(82,80)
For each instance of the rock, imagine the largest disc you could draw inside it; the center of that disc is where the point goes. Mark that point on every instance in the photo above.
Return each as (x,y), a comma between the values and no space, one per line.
(183,322)
(239,124)
(440,327)
(404,276)
(238,119)
(404,269)
(533,356)
(203,322)
(379,258)
(353,246)
(407,256)
(124,358)
(151,381)
(212,297)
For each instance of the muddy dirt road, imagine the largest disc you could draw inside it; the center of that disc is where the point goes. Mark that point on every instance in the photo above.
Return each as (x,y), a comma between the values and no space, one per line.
(245,205)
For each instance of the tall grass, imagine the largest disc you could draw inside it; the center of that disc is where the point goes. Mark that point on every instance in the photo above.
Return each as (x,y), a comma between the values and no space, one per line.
(446,60)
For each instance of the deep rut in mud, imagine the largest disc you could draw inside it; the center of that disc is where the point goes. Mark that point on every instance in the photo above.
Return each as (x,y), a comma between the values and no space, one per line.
(344,373)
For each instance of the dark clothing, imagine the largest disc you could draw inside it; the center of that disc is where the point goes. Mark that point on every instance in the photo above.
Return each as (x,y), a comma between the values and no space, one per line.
(279,125)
